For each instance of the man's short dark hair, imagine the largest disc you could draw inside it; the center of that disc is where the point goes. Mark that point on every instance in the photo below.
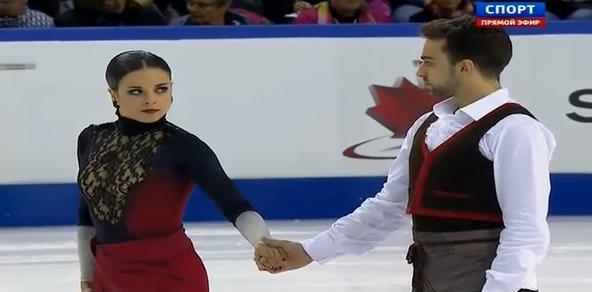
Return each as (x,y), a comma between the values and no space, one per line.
(490,48)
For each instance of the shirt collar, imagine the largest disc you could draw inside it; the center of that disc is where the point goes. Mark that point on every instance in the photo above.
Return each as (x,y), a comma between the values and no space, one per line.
(475,110)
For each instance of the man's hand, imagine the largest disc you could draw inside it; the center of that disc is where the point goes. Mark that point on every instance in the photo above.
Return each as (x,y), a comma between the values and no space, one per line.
(291,255)
(85,286)
(269,258)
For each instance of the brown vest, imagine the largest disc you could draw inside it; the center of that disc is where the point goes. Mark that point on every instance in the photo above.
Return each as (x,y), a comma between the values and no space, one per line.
(452,187)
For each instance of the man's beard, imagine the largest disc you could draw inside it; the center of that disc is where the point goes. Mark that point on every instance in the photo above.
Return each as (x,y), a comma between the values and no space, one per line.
(447,90)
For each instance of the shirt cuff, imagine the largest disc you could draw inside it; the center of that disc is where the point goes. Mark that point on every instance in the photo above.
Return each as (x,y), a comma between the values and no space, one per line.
(321,248)
(501,282)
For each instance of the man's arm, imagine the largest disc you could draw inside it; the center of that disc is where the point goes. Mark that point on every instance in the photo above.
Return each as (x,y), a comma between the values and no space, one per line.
(522,151)
(375,219)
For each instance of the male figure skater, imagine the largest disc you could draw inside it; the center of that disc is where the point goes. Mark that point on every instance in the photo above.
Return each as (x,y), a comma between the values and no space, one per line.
(473,174)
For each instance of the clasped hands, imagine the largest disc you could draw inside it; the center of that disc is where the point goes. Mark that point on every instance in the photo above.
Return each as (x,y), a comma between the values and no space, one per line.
(277,256)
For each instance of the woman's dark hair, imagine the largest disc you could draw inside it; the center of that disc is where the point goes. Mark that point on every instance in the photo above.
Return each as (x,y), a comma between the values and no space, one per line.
(127,62)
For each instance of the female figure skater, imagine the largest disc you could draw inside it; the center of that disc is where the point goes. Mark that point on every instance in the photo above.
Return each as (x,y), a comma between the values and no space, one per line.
(135,176)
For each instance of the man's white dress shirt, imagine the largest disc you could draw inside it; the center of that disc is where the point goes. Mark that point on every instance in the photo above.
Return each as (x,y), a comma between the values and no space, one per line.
(520,148)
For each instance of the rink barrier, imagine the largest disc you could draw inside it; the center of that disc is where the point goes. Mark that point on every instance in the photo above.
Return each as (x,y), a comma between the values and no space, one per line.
(276,198)
(282,199)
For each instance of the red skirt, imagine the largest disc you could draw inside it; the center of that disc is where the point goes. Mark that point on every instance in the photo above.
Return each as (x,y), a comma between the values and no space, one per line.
(149,265)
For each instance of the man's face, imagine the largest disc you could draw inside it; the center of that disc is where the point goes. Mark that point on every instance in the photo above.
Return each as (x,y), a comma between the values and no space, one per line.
(205,11)
(113,6)
(436,71)
(13,7)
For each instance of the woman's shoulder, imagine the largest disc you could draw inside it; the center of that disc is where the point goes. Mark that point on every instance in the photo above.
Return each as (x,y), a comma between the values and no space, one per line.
(89,131)
(98,127)
(183,138)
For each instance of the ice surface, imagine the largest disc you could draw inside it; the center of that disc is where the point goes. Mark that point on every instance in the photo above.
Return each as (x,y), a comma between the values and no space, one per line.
(44,259)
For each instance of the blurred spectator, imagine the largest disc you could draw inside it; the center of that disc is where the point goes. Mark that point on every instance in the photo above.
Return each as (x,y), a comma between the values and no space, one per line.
(17,14)
(374,6)
(217,12)
(46,6)
(51,7)
(569,10)
(403,9)
(164,6)
(341,11)
(435,9)
(168,8)
(274,10)
(111,13)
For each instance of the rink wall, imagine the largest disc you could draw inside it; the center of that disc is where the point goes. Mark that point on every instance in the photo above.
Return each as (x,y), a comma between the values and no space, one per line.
(290,111)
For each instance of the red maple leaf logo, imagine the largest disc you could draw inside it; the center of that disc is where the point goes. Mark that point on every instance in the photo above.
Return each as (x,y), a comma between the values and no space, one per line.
(397,108)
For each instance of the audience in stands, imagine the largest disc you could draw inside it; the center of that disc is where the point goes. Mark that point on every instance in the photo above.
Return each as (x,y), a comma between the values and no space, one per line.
(426,10)
(89,13)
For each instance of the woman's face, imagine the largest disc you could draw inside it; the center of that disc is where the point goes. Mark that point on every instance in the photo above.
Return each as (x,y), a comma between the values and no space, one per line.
(144,95)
